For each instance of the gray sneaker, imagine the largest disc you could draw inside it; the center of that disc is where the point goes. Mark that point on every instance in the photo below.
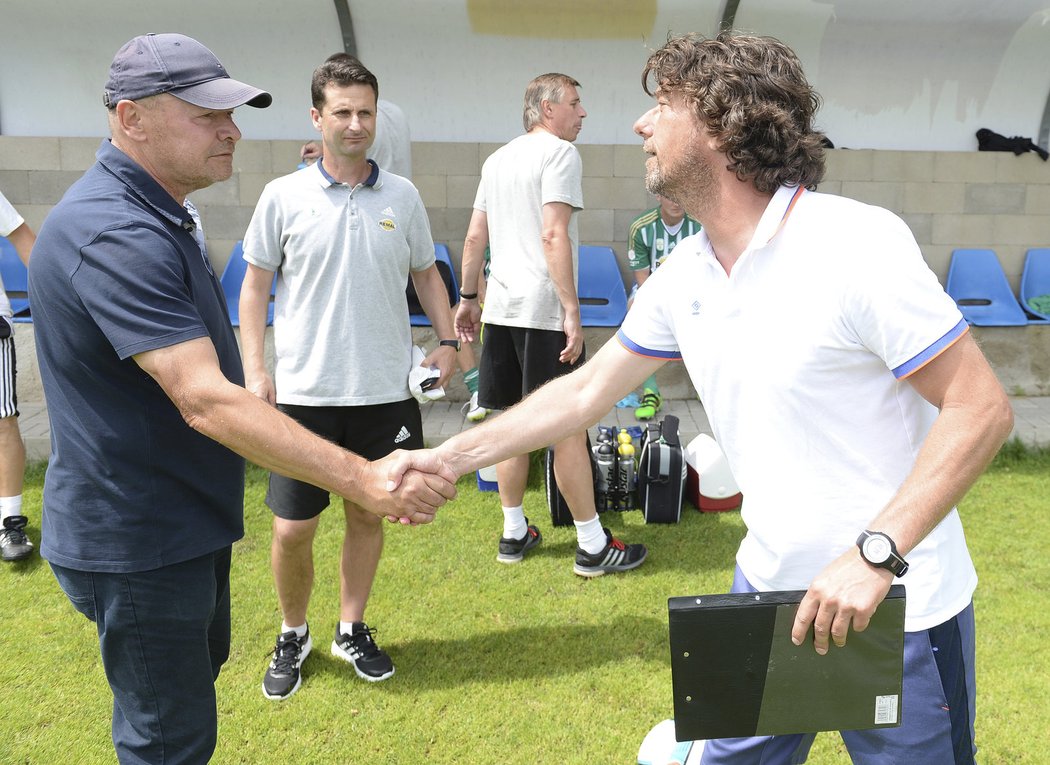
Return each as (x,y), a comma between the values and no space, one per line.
(513,550)
(614,557)
(14,544)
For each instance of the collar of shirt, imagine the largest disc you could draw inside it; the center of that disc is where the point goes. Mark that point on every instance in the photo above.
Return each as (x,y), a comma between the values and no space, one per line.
(327,180)
(143,185)
(198,233)
(773,220)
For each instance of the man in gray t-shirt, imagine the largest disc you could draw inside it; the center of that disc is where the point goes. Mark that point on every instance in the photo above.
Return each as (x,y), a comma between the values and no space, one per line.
(526,206)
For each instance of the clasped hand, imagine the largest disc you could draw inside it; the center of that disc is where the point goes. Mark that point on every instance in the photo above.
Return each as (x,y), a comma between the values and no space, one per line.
(416,483)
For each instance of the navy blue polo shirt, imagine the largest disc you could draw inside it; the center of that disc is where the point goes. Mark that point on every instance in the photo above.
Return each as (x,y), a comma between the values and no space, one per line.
(117,271)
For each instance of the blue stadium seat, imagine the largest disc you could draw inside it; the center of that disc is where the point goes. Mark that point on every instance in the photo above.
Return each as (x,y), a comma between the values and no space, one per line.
(1035,282)
(231,280)
(418,318)
(16,281)
(603,300)
(979,287)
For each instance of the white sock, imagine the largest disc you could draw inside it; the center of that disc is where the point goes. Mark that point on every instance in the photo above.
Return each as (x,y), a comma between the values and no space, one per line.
(346,628)
(590,535)
(300,630)
(514,526)
(10,506)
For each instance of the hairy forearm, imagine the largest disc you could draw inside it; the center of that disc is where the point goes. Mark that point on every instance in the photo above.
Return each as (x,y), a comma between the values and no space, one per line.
(566,405)
(252,428)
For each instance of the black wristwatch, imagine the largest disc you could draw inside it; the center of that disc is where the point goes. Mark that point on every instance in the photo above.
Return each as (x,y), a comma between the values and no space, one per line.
(451,344)
(878,550)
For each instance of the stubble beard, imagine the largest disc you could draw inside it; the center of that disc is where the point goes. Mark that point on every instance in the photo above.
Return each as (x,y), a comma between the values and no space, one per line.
(689,184)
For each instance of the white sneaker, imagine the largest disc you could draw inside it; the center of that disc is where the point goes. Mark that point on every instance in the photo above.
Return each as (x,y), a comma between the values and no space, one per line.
(473,412)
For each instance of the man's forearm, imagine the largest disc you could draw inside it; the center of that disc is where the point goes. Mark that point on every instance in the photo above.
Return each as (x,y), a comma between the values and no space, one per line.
(566,405)
(433,297)
(253,308)
(557,250)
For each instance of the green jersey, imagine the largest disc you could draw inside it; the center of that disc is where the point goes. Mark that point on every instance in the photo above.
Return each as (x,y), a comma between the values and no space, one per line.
(651,242)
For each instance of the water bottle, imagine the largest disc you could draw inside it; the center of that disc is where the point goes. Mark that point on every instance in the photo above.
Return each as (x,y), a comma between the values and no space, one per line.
(626,467)
(605,456)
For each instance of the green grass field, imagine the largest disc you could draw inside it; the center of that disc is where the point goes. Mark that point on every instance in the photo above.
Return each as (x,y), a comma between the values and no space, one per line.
(503,664)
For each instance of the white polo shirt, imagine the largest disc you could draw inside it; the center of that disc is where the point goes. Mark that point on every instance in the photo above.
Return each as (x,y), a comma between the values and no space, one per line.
(800,358)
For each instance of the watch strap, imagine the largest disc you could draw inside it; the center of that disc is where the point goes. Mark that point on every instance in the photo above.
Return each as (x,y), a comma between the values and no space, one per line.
(894,563)
(450,344)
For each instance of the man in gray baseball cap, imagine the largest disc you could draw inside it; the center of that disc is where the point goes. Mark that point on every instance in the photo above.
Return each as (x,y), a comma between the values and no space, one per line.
(150,422)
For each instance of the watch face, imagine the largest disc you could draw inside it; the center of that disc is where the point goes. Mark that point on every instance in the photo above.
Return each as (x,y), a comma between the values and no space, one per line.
(877,549)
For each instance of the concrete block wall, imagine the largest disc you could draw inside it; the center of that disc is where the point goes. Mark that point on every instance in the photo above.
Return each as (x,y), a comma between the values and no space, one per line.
(950,199)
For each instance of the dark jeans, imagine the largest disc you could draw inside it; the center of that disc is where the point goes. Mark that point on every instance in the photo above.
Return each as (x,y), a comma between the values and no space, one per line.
(163,635)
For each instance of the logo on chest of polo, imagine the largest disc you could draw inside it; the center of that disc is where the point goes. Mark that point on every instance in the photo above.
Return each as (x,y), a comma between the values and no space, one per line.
(387,224)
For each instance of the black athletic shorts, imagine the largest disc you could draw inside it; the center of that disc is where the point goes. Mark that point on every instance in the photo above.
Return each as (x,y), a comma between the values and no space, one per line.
(517,360)
(8,371)
(371,431)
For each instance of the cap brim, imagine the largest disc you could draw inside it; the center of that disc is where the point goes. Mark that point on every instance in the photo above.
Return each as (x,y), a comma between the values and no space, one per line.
(224,93)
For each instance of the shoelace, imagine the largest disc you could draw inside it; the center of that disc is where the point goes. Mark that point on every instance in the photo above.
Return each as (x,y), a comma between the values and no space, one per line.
(286,654)
(651,399)
(617,543)
(364,642)
(13,536)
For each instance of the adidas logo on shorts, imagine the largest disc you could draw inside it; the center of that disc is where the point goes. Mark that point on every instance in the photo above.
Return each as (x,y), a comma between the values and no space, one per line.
(402,435)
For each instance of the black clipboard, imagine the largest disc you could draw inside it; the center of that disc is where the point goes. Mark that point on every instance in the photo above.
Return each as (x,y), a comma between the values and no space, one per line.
(735,671)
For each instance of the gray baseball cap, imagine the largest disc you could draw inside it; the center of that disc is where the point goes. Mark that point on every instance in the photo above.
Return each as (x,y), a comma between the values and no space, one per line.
(176,64)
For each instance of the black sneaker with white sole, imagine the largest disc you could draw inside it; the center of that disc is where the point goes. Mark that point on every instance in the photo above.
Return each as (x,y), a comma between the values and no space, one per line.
(615,556)
(14,544)
(370,662)
(283,677)
(513,550)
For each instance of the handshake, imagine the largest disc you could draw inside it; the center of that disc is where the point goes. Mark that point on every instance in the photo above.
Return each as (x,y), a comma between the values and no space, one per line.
(410,486)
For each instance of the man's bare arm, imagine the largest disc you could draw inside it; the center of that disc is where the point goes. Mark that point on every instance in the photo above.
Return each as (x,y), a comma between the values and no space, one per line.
(190,375)
(975,419)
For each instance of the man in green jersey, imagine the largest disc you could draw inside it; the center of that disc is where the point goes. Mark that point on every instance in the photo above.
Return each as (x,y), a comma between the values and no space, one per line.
(654,234)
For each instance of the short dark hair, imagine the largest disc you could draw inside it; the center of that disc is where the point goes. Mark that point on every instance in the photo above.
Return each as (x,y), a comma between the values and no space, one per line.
(751,94)
(340,69)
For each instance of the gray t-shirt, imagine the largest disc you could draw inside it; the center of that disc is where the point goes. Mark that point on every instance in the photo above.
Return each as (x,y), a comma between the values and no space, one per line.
(516,181)
(343,255)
